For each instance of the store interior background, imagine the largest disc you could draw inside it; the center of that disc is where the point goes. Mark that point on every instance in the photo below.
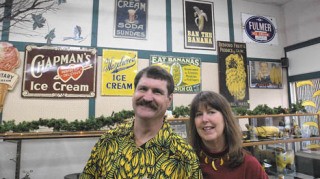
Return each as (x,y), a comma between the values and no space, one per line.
(298,25)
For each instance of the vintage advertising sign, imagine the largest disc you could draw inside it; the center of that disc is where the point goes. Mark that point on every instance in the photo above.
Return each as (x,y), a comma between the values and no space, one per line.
(119,69)
(265,74)
(199,31)
(131,19)
(186,72)
(56,71)
(259,29)
(233,73)
(9,61)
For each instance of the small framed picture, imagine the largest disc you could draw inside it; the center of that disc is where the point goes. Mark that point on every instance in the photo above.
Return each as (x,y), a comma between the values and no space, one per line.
(265,74)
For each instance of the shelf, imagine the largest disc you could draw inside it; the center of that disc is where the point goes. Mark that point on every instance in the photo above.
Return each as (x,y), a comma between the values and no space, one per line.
(50,135)
(276,115)
(266,142)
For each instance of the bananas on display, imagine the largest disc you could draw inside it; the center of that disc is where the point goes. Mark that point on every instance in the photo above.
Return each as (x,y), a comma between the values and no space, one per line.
(275,75)
(200,16)
(267,131)
(236,76)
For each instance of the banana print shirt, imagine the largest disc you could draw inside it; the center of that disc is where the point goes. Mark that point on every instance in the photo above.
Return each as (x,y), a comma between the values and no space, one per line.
(166,155)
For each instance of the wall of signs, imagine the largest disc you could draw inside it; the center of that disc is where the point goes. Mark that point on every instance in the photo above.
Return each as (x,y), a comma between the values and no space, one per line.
(185,30)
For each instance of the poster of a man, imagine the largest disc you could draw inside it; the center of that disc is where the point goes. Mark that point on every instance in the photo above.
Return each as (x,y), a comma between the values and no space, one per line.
(265,74)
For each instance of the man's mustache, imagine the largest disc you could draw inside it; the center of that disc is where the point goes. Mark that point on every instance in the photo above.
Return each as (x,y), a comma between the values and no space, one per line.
(149,104)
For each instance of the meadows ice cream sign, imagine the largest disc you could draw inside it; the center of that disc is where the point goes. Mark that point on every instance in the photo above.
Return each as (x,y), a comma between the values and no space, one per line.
(259,29)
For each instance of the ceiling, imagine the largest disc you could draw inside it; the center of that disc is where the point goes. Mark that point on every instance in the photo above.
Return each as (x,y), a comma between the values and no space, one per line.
(274,2)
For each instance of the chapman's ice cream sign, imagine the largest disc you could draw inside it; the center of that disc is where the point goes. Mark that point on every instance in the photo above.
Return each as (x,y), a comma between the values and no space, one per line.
(259,29)
(59,72)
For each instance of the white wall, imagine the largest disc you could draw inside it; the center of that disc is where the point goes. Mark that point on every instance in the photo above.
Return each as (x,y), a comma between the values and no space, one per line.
(302,23)
(302,20)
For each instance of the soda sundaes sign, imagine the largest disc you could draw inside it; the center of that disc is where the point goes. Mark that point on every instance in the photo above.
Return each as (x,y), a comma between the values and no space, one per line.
(59,72)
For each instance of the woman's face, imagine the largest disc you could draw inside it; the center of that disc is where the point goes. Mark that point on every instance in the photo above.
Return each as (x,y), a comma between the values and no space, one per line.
(210,125)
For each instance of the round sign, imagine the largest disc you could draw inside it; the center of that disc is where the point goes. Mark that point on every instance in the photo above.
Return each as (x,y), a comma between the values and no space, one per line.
(260,29)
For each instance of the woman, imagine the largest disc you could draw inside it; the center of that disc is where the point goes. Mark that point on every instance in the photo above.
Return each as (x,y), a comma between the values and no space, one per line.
(217,140)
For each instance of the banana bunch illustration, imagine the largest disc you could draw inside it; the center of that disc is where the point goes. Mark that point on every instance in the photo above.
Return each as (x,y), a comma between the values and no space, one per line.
(236,76)
(200,16)
(176,72)
(275,75)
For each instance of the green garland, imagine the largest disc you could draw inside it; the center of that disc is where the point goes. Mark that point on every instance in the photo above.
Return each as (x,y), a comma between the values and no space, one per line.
(62,124)
(92,123)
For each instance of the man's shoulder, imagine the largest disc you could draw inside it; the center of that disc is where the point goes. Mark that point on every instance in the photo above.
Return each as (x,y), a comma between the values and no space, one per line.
(180,146)
(121,130)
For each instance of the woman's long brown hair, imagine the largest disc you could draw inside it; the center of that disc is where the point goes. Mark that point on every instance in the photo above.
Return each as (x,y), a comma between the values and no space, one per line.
(232,131)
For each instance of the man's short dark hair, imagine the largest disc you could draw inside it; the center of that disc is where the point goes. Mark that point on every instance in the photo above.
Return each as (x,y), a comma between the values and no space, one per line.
(158,73)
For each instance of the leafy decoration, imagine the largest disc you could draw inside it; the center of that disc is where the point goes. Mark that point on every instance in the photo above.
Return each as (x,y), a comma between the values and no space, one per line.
(38,21)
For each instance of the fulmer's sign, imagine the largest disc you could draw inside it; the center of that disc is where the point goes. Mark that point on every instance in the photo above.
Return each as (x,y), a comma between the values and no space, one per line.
(59,72)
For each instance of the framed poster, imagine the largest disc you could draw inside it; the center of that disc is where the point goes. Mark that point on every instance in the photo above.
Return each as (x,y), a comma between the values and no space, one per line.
(119,68)
(58,71)
(199,31)
(180,127)
(131,19)
(186,72)
(265,74)
(233,79)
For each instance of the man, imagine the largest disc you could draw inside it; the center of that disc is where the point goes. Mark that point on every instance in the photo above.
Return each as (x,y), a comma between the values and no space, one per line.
(264,72)
(146,147)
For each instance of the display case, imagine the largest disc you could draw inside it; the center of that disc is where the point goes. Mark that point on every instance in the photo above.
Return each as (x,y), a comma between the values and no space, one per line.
(282,143)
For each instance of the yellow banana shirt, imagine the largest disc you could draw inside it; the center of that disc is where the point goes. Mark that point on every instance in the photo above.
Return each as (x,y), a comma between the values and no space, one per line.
(166,155)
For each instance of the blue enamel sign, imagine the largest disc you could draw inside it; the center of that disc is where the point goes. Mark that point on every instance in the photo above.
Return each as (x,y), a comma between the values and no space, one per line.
(259,29)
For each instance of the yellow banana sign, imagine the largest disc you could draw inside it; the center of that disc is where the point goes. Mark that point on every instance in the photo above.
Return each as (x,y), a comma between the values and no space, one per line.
(317,93)
(303,83)
(311,123)
(309,103)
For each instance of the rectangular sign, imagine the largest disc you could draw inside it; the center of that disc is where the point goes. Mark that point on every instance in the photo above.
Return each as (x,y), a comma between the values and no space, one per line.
(59,72)
(186,72)
(233,77)
(119,69)
(199,31)
(265,74)
(131,19)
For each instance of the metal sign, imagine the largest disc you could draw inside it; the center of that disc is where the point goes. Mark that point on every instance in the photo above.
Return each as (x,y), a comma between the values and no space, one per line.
(59,72)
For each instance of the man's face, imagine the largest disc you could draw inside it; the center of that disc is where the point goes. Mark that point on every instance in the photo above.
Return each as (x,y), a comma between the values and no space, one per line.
(264,68)
(150,99)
